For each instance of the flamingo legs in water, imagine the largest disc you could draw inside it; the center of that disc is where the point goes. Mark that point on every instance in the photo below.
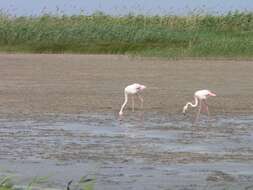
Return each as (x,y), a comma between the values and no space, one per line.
(141,113)
(198,112)
(207,109)
(201,106)
(141,99)
(133,103)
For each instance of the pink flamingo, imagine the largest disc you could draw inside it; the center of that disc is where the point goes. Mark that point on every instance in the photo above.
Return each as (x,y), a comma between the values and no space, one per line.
(133,89)
(199,96)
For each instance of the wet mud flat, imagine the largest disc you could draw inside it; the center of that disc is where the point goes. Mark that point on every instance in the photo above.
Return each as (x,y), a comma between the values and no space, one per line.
(58,118)
(130,154)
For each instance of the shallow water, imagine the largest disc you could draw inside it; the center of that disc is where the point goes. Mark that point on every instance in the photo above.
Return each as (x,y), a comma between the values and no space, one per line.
(150,152)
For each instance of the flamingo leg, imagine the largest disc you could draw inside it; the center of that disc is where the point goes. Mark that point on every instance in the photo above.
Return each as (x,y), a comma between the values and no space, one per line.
(141,99)
(207,109)
(132,103)
(198,112)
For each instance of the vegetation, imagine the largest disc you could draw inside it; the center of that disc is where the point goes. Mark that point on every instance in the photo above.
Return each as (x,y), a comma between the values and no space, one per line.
(6,183)
(83,184)
(229,35)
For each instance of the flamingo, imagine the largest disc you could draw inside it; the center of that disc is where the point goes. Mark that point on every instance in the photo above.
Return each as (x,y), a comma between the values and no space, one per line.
(199,96)
(133,89)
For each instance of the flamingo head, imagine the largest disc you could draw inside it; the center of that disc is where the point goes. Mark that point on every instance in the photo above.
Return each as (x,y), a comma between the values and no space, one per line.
(120,113)
(184,110)
(142,87)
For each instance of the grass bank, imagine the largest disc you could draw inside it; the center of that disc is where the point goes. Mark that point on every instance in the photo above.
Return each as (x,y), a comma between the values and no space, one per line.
(229,35)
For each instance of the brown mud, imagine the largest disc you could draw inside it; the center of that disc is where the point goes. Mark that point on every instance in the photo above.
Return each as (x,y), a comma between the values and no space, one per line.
(59,119)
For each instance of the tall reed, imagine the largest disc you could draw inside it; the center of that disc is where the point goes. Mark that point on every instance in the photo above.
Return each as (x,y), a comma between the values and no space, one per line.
(229,35)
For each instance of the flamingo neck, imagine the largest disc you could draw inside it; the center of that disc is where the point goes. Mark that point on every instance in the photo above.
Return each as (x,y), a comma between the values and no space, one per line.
(191,104)
(124,104)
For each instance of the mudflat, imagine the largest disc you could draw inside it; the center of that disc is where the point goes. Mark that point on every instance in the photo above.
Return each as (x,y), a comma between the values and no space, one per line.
(59,118)
(34,85)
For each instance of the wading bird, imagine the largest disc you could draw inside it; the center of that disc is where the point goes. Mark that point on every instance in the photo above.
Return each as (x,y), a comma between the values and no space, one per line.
(133,89)
(199,96)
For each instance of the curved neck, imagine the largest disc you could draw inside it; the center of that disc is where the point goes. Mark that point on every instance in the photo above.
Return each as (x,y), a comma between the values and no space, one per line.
(191,104)
(124,104)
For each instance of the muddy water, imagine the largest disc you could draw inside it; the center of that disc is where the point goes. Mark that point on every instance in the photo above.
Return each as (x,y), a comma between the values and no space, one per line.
(158,152)
(58,119)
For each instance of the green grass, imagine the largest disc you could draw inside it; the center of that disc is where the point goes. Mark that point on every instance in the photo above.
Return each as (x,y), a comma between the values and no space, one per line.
(6,183)
(5,188)
(83,184)
(228,35)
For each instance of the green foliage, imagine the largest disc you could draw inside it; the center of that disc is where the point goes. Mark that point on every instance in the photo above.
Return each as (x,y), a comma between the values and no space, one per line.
(228,35)
(5,188)
(86,183)
(6,183)
(88,186)
(35,181)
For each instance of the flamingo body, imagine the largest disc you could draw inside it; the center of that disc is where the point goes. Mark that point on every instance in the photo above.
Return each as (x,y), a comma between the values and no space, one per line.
(203,94)
(133,89)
